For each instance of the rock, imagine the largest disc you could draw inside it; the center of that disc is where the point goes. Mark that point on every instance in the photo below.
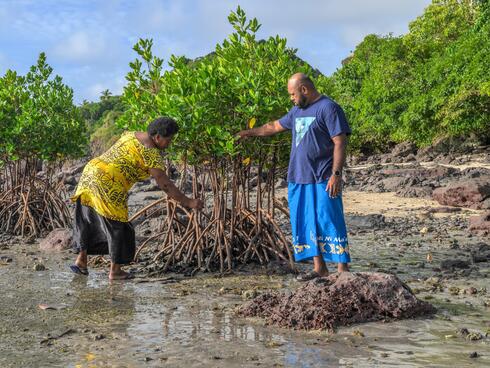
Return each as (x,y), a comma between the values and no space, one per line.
(77,169)
(452,264)
(416,171)
(464,193)
(409,158)
(474,336)
(473,355)
(481,254)
(152,187)
(367,222)
(5,259)
(415,192)
(57,240)
(70,180)
(39,267)
(338,300)
(475,172)
(480,224)
(403,149)
(249,294)
(392,184)
(281,183)
(444,209)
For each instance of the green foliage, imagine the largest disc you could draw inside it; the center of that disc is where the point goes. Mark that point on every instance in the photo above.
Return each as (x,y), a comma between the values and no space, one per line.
(37,115)
(94,112)
(214,97)
(430,83)
(106,133)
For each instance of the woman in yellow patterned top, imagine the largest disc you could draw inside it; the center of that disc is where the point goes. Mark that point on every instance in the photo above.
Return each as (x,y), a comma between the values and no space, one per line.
(101,223)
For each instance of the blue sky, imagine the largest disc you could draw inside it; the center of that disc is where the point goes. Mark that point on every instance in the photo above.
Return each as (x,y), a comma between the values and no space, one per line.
(89,43)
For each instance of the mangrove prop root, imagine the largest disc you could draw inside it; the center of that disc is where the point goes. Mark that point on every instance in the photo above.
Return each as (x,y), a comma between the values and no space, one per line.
(238,225)
(31,204)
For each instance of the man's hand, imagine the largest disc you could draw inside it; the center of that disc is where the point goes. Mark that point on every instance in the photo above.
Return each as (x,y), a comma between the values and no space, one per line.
(265,130)
(242,135)
(195,203)
(334,186)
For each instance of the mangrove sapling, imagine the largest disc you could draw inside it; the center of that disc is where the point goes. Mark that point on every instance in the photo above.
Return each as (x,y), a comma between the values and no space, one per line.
(213,98)
(40,129)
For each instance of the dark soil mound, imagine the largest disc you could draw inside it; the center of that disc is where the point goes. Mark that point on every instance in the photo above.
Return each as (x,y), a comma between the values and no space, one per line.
(339,300)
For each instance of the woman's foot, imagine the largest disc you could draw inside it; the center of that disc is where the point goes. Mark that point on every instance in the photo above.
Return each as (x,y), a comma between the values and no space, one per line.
(121,275)
(116,273)
(81,260)
(79,270)
(80,265)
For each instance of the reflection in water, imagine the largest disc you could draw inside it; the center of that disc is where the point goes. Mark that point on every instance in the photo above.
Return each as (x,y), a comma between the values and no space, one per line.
(120,324)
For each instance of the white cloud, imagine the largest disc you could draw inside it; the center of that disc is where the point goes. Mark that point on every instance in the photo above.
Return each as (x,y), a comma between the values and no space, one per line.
(81,47)
(89,43)
(114,85)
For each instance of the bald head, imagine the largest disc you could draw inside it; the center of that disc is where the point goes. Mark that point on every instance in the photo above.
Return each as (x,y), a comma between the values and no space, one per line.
(301,89)
(300,79)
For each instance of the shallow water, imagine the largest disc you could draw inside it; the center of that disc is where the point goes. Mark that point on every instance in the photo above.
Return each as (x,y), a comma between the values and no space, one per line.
(192,323)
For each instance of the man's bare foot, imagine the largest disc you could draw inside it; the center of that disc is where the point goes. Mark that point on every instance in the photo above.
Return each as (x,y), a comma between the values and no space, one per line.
(312,275)
(342,267)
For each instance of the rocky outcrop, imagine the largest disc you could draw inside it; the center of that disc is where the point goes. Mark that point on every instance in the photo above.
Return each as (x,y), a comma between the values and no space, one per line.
(57,240)
(465,193)
(338,300)
(480,224)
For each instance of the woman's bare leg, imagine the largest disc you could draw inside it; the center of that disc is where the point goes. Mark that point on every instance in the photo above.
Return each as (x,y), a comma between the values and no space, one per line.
(116,273)
(81,260)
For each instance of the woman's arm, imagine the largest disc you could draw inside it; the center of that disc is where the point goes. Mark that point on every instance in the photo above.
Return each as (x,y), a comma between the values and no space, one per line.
(172,191)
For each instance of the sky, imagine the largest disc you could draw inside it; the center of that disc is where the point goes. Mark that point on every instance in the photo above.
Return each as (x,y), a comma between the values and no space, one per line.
(89,42)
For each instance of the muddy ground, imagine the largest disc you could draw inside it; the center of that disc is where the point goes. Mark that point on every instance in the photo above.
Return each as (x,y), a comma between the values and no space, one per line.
(52,318)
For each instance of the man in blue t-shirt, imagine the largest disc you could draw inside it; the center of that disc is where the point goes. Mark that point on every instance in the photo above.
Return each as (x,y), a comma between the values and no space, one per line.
(319,139)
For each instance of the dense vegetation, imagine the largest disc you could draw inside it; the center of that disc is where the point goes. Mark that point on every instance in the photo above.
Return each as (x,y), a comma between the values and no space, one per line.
(432,82)
(40,127)
(100,118)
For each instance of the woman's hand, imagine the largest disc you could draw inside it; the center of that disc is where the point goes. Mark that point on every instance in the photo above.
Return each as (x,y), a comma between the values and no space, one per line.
(195,203)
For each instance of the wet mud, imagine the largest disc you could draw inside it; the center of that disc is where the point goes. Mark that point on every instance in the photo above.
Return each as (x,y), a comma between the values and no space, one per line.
(50,317)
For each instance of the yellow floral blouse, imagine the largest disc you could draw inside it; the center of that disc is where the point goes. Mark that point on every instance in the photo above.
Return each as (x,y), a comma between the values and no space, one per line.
(107,179)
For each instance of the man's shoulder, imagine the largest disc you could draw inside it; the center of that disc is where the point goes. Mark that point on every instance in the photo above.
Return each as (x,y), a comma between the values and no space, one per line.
(328,103)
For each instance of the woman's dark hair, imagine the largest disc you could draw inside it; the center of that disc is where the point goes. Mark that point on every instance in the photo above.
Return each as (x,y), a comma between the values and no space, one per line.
(164,126)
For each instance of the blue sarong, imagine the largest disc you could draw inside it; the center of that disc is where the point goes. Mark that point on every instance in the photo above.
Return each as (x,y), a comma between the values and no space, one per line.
(318,223)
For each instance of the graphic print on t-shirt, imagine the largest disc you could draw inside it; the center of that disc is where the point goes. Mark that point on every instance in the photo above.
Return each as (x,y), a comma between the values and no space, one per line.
(301,127)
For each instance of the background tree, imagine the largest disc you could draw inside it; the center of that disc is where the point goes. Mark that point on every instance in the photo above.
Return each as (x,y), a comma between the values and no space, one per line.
(242,83)
(428,84)
(40,127)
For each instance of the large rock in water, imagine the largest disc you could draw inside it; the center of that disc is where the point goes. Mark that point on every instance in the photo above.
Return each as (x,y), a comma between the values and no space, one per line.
(338,300)
(465,193)
(480,224)
(57,240)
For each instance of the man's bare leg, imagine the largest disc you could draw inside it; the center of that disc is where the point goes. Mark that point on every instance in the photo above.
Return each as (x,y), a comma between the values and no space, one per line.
(342,267)
(319,266)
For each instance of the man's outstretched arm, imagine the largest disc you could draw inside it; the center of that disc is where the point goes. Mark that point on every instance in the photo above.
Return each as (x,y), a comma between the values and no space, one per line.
(265,130)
